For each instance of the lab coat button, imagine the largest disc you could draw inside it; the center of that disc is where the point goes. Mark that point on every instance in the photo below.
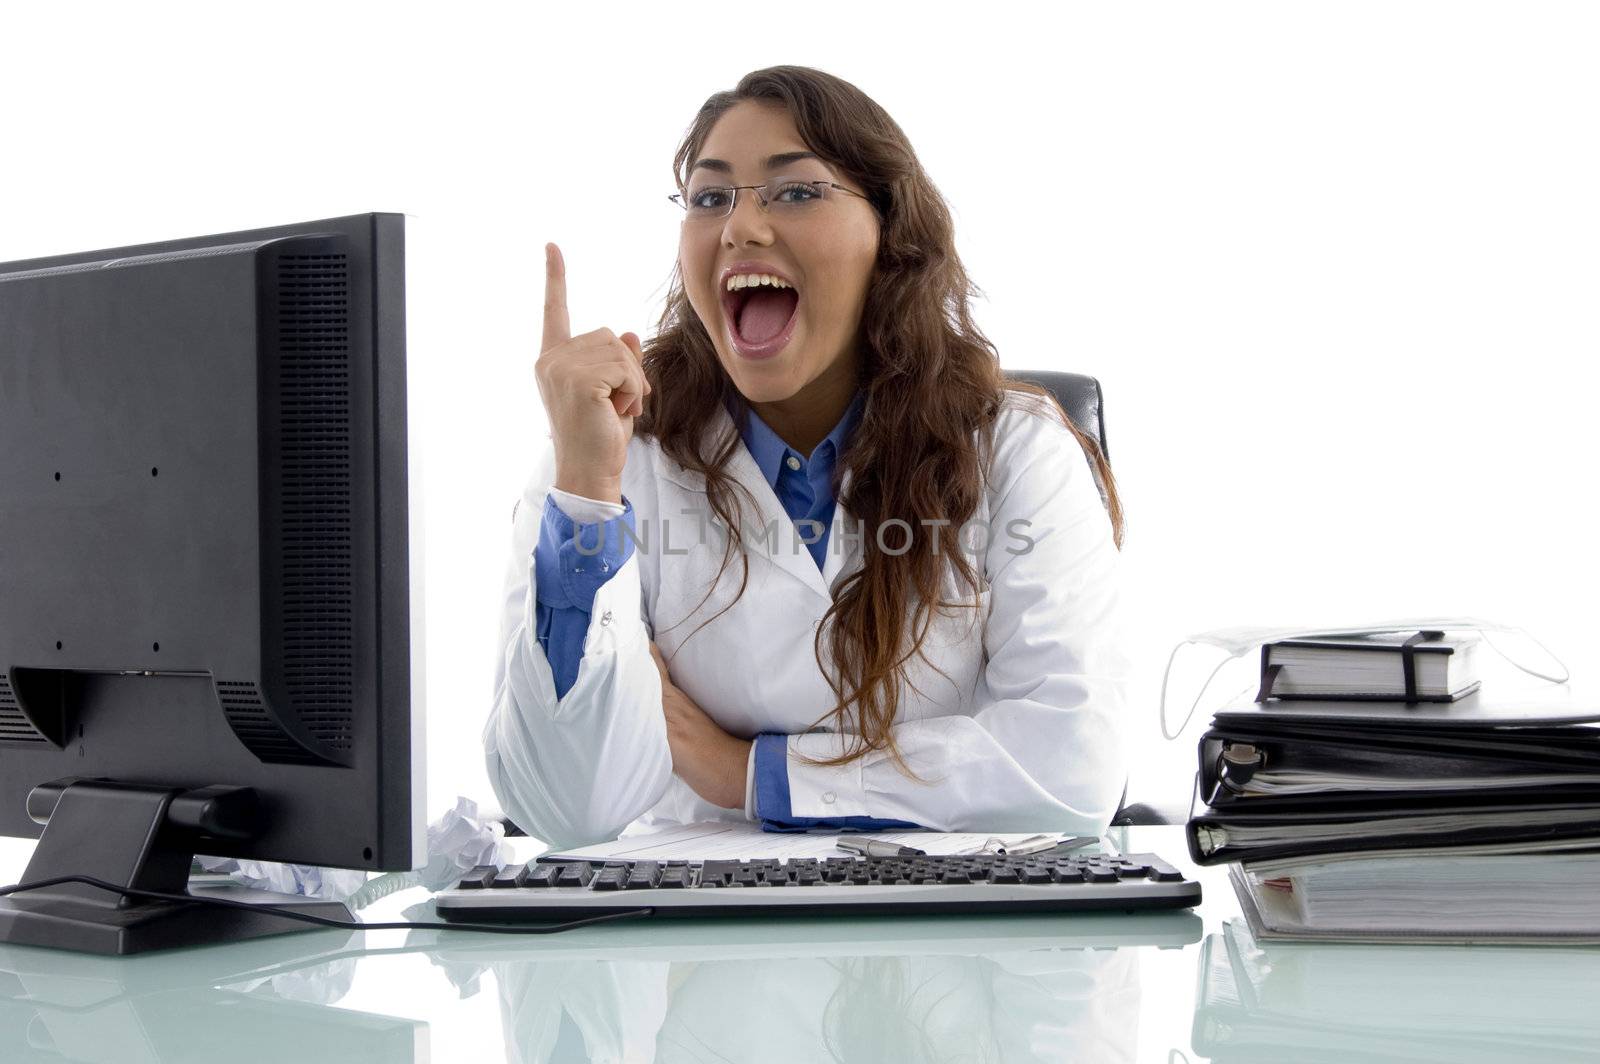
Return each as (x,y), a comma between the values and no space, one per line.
(605,618)
(828,797)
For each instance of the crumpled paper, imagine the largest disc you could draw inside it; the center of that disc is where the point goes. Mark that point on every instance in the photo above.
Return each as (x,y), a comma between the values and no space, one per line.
(458,842)
(333,884)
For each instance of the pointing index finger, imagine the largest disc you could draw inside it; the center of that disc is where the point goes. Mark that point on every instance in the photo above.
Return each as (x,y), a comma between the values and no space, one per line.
(557,329)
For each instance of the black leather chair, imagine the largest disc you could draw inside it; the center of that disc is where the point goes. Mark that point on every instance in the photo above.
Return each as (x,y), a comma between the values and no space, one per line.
(1084,402)
(1079,395)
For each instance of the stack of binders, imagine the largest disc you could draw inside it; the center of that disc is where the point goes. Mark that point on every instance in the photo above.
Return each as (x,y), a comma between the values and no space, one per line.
(1472,819)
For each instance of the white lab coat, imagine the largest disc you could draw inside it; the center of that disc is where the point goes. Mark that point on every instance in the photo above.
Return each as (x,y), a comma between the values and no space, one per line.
(1023,732)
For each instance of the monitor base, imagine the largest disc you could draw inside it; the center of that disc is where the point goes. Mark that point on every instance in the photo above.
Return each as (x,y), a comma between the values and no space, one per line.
(143,837)
(154,926)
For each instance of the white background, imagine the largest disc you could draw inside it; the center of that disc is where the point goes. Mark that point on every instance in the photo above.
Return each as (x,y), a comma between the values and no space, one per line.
(1335,264)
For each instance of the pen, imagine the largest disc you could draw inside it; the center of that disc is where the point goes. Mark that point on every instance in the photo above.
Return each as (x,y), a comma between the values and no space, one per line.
(875,847)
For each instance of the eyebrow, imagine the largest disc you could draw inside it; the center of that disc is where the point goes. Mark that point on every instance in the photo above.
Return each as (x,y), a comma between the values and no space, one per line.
(773,161)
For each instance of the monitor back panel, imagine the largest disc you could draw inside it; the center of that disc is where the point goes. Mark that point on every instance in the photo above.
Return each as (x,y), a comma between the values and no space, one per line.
(203,573)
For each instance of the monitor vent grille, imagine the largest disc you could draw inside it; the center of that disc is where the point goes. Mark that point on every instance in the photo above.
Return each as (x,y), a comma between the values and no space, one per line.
(247,716)
(15,727)
(315,535)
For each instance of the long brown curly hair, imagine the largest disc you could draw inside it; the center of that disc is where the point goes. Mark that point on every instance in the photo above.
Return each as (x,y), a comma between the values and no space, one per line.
(933,388)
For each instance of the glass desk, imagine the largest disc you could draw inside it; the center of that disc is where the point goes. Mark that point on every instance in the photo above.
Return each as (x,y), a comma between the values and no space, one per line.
(1164,987)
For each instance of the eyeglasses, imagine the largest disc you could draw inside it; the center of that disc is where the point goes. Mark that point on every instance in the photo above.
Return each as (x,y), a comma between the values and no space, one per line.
(784,197)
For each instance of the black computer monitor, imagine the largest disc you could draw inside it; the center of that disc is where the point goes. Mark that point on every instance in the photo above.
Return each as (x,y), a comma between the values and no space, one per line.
(206,610)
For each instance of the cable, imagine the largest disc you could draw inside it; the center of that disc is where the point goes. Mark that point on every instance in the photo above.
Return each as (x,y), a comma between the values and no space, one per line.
(1167,675)
(1566,673)
(381,887)
(343,925)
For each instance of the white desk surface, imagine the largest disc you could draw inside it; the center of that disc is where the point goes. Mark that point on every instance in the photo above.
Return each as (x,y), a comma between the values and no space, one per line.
(1168,987)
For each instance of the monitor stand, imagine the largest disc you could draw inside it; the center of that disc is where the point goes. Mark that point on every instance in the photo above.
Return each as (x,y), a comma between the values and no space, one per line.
(142,836)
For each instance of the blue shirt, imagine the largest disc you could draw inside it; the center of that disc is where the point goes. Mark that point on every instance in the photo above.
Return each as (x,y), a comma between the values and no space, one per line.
(804,487)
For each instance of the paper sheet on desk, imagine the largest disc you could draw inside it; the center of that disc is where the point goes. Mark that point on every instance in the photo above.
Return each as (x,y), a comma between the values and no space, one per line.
(727,841)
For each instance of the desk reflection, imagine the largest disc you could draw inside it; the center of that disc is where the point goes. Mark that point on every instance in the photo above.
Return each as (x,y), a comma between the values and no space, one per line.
(1280,1001)
(264,1000)
(952,990)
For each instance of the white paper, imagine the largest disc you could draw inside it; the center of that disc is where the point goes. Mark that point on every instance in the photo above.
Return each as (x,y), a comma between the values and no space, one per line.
(460,841)
(729,841)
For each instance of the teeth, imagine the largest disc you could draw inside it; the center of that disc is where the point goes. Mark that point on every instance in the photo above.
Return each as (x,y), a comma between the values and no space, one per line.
(751,280)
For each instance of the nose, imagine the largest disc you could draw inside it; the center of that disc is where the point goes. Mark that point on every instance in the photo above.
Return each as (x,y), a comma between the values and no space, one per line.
(747,223)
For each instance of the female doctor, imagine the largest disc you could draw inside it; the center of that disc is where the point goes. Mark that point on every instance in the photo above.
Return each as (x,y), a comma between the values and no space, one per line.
(806,558)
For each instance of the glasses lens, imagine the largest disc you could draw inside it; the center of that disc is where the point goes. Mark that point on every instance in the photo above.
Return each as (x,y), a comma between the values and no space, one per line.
(709,201)
(794,195)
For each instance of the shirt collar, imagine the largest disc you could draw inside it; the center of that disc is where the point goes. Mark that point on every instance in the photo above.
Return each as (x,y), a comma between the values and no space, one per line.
(769,450)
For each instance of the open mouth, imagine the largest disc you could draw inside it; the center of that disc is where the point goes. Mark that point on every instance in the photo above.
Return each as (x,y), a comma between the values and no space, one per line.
(761,311)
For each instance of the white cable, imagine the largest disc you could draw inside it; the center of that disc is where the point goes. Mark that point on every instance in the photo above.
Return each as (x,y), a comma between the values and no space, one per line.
(1566,673)
(1167,675)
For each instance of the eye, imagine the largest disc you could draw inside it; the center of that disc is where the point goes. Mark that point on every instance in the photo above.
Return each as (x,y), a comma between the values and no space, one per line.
(715,198)
(792,193)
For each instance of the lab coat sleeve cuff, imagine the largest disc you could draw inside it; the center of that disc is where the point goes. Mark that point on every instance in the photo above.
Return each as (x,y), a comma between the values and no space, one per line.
(750,784)
(824,790)
(585,510)
(777,775)
(573,560)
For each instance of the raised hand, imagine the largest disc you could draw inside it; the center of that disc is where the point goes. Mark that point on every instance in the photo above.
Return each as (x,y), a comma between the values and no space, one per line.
(593,386)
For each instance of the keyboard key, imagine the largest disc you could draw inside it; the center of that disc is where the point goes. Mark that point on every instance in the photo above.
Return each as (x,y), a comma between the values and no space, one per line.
(1162,872)
(478,878)
(539,875)
(721,871)
(574,875)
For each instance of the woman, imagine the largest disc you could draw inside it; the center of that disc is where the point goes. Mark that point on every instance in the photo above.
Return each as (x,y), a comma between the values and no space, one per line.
(807,557)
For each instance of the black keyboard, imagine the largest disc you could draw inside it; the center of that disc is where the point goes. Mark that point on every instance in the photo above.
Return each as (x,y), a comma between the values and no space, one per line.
(864,886)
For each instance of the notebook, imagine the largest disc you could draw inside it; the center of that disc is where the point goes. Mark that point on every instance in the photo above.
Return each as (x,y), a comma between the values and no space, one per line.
(1428,666)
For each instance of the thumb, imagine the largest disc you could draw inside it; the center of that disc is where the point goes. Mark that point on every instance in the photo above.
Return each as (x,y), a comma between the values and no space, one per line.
(632,341)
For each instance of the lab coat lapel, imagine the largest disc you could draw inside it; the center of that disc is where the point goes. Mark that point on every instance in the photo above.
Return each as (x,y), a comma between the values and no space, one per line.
(844,554)
(784,551)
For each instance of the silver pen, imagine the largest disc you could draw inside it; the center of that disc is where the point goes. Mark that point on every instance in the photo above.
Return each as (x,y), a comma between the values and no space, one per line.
(1034,844)
(864,847)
